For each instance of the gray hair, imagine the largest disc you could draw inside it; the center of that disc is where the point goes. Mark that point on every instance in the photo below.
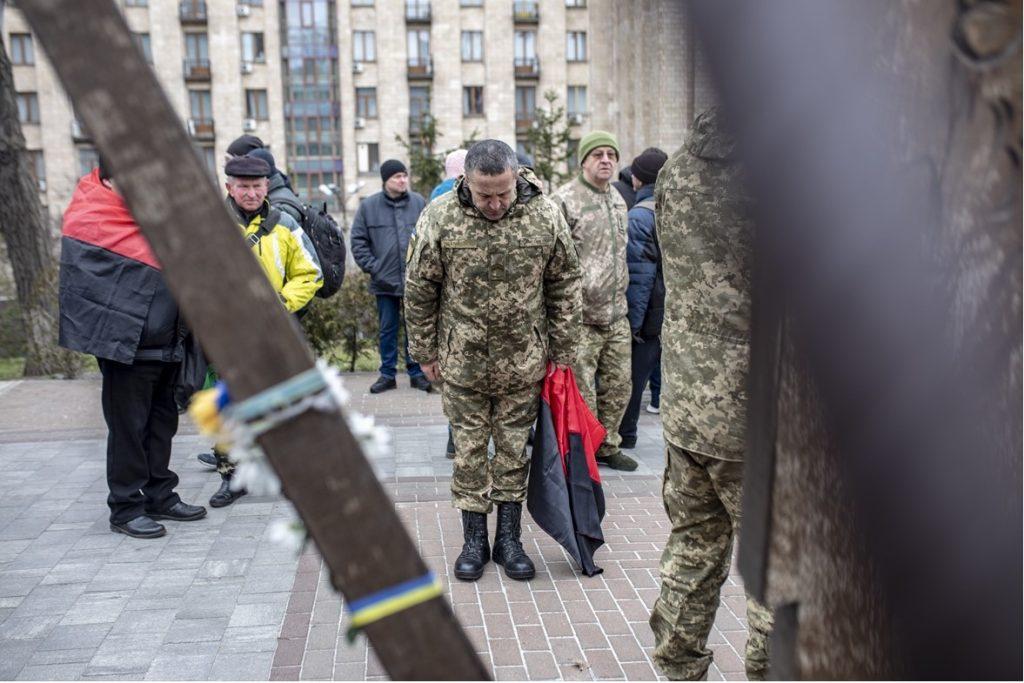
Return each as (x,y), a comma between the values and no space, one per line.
(491,157)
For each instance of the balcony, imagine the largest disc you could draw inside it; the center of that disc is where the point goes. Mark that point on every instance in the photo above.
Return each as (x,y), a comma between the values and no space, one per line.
(527,67)
(524,122)
(201,129)
(197,69)
(420,68)
(417,11)
(78,132)
(192,12)
(526,11)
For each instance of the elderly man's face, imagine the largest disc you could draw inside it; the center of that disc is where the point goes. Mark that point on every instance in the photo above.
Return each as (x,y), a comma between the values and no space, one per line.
(397,184)
(599,166)
(492,194)
(248,193)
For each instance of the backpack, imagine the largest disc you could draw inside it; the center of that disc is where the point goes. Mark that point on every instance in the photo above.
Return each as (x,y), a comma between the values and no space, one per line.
(327,239)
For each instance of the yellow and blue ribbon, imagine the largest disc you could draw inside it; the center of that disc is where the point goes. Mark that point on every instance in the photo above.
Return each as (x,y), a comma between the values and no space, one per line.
(393,600)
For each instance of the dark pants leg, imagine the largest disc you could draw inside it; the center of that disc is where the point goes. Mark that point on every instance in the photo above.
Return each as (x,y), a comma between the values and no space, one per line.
(656,379)
(389,312)
(642,362)
(138,406)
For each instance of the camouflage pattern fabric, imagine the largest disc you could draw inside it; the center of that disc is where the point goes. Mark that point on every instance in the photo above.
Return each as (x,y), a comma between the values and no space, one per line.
(599,224)
(706,243)
(225,467)
(476,418)
(702,499)
(493,301)
(603,373)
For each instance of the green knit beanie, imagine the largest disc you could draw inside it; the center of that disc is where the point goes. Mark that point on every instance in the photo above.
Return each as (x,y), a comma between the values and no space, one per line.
(595,139)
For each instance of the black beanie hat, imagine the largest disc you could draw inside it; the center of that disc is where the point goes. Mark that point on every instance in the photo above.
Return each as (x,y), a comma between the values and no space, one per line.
(264,153)
(646,166)
(390,168)
(241,146)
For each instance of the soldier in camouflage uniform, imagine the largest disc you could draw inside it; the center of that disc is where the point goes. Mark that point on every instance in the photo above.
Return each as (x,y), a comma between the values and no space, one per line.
(492,295)
(596,214)
(706,242)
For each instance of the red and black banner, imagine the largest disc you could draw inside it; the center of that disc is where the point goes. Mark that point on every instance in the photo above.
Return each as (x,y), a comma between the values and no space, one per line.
(564,495)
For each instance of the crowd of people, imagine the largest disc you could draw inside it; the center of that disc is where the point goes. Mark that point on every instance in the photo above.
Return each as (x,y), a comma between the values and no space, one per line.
(618,275)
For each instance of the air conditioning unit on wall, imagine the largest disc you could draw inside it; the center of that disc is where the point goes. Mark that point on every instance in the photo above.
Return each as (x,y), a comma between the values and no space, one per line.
(575,119)
(357,67)
(360,122)
(247,67)
(249,125)
(243,10)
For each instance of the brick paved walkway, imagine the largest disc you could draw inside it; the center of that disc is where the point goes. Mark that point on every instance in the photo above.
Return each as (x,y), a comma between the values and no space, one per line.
(216,599)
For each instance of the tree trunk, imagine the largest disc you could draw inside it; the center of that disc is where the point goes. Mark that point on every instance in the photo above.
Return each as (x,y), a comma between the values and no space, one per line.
(25,233)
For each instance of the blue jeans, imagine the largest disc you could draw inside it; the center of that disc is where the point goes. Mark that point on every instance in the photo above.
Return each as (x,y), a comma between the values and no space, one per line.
(389,312)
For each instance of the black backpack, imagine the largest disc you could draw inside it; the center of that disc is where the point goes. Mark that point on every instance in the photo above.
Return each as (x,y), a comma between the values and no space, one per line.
(327,239)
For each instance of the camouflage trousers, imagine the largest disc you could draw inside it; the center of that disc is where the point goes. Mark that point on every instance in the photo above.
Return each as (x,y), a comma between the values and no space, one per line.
(702,499)
(476,418)
(225,467)
(604,373)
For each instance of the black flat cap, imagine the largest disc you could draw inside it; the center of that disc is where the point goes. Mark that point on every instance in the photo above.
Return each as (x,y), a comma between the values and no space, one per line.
(246,167)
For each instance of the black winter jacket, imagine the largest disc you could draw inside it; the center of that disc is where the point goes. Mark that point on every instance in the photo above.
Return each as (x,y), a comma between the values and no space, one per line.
(646,292)
(380,237)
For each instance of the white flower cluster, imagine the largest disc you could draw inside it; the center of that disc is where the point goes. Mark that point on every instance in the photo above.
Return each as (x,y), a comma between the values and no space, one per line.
(255,474)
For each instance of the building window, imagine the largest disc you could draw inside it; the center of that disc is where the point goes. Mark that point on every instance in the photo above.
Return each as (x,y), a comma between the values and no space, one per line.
(38,167)
(362,3)
(88,159)
(473,100)
(575,3)
(472,46)
(523,147)
(573,153)
(526,103)
(256,105)
(525,46)
(251,3)
(209,157)
(200,105)
(368,157)
(252,48)
(136,3)
(28,107)
(419,105)
(366,103)
(142,41)
(576,46)
(576,100)
(472,3)
(21,49)
(418,44)
(197,48)
(364,46)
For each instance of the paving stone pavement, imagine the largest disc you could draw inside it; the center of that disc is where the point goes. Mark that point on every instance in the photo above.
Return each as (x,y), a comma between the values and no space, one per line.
(217,600)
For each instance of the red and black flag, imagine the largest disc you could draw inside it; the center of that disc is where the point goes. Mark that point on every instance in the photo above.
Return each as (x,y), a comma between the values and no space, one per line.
(565,496)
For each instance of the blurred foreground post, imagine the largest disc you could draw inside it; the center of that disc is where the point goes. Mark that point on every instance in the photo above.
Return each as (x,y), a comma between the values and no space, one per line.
(253,341)
(882,508)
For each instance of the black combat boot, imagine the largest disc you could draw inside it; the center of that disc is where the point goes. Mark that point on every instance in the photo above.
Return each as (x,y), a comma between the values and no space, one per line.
(476,552)
(225,495)
(508,549)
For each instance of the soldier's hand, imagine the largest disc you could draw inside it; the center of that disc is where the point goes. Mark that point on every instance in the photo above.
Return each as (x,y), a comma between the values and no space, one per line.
(554,367)
(432,370)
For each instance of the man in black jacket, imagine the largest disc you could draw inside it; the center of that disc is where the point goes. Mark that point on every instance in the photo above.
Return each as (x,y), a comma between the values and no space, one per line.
(646,292)
(115,305)
(380,237)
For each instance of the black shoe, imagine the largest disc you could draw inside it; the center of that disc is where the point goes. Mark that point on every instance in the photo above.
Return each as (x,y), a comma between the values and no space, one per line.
(422,383)
(508,549)
(627,442)
(180,512)
(208,459)
(449,451)
(476,552)
(618,461)
(225,496)
(383,384)
(140,527)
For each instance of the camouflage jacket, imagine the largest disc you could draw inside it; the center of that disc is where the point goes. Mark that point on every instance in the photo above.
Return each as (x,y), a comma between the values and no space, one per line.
(706,241)
(599,226)
(493,301)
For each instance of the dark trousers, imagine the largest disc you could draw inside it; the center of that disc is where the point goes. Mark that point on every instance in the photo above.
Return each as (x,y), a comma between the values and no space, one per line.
(138,405)
(389,312)
(643,360)
(656,379)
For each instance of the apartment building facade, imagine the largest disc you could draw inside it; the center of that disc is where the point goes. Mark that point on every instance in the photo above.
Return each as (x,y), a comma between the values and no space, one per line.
(329,85)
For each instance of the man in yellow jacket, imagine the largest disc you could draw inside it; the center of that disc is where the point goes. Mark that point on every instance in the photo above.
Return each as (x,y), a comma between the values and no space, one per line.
(282,248)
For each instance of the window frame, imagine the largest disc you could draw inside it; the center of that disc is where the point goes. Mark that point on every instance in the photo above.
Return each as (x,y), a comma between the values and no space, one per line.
(250,94)
(259,57)
(576,46)
(364,158)
(20,56)
(28,107)
(475,45)
(366,99)
(473,101)
(363,39)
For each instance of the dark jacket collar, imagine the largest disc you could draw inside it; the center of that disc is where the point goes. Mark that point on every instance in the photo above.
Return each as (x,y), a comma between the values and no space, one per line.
(645,192)
(395,201)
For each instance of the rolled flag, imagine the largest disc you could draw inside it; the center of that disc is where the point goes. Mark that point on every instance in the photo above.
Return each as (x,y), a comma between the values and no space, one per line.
(564,495)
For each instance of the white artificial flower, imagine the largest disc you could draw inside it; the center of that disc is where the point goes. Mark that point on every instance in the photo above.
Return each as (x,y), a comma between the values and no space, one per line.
(335,385)
(287,534)
(257,477)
